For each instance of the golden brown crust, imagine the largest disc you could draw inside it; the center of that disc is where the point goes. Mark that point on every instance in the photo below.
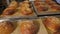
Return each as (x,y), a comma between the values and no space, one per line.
(52,23)
(10,10)
(13,4)
(53,5)
(6,27)
(28,27)
(40,6)
(25,8)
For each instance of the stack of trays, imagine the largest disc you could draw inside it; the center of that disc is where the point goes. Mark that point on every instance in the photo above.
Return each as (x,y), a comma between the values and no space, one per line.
(30,9)
(41,25)
(22,9)
(14,26)
(46,7)
(24,17)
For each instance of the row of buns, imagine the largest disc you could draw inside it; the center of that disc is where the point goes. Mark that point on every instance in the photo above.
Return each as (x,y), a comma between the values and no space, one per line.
(25,8)
(18,9)
(30,26)
(47,5)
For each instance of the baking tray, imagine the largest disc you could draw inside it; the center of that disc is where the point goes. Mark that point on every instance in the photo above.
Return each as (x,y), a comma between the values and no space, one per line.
(49,31)
(48,12)
(17,22)
(21,16)
(30,16)
(41,30)
(5,24)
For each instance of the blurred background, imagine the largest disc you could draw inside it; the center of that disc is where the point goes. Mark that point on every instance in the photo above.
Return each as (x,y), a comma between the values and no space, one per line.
(2,5)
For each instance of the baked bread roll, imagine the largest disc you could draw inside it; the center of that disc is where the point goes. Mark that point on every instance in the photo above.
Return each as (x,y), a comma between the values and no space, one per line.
(40,6)
(53,5)
(28,27)
(25,8)
(6,27)
(11,9)
(13,4)
(52,23)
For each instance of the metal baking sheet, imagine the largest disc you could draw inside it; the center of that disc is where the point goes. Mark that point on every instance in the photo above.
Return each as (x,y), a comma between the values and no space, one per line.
(44,12)
(21,16)
(42,29)
(43,17)
(57,16)
(30,16)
